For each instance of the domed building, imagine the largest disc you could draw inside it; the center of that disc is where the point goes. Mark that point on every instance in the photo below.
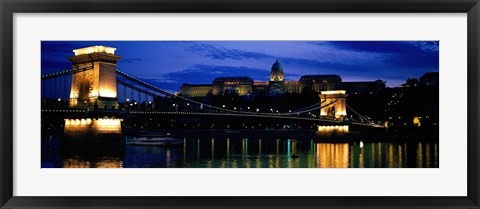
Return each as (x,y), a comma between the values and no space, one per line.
(244,86)
(276,84)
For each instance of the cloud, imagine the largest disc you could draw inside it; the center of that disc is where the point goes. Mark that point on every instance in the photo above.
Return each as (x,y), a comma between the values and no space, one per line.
(391,59)
(319,67)
(345,61)
(205,74)
(222,53)
(427,46)
(305,66)
(394,47)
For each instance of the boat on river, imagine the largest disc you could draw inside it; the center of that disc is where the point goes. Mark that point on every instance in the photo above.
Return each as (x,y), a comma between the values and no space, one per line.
(154,139)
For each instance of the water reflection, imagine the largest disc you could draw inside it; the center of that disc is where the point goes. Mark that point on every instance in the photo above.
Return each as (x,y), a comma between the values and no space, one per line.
(234,152)
(76,162)
(330,155)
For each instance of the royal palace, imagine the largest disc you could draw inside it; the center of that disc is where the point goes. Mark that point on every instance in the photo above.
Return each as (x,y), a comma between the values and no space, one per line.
(245,86)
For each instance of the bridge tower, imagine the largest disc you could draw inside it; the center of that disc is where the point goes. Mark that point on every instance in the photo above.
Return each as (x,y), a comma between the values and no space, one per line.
(338,109)
(97,85)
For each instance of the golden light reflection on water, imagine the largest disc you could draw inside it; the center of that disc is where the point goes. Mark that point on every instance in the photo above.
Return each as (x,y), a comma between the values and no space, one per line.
(361,158)
(213,148)
(427,155)
(379,154)
(372,155)
(103,163)
(390,158)
(228,148)
(400,155)
(333,155)
(419,155)
(269,153)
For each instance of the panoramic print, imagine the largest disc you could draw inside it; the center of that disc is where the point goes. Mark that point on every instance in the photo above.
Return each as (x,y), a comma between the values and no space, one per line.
(239,104)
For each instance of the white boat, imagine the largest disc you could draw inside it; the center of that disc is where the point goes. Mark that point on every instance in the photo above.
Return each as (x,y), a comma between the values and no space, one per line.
(154,141)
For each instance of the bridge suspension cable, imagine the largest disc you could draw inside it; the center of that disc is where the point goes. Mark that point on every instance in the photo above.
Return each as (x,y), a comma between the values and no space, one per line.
(163,92)
(166,93)
(309,108)
(361,116)
(304,110)
(171,95)
(66,72)
(136,88)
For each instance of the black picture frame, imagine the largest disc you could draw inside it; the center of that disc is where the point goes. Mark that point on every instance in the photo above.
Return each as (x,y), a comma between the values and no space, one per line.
(10,7)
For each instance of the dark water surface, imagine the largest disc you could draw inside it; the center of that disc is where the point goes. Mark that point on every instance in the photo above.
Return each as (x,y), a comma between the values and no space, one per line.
(235,152)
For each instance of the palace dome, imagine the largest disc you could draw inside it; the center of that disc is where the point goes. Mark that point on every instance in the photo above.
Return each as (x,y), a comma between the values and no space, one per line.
(277,67)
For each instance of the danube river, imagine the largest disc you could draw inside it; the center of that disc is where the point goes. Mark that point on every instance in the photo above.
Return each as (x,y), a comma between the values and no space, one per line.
(234,151)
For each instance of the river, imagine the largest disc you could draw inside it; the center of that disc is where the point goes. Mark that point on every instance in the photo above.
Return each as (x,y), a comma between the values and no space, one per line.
(235,151)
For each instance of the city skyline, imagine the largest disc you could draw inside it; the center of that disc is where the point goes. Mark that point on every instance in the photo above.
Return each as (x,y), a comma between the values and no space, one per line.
(168,64)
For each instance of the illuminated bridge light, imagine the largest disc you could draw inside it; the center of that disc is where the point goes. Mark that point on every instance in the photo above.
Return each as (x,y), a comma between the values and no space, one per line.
(333,129)
(94,49)
(103,125)
(333,92)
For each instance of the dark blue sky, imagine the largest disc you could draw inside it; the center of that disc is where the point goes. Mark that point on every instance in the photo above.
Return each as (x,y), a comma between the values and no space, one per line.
(168,64)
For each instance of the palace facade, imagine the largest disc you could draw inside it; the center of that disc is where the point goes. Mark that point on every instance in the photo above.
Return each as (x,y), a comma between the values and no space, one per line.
(244,86)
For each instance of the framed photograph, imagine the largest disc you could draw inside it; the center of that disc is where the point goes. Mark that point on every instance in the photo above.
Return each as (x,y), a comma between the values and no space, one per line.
(266,104)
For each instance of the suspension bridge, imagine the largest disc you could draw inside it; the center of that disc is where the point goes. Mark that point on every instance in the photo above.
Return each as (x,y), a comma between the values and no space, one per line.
(94,86)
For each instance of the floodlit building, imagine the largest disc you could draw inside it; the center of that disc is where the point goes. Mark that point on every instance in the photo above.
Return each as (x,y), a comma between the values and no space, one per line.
(232,85)
(320,82)
(275,85)
(95,82)
(195,90)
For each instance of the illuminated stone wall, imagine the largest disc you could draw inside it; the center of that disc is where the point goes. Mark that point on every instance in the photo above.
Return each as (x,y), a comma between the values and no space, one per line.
(195,90)
(107,80)
(97,85)
(339,107)
(292,87)
(83,85)
(236,85)
(319,83)
(239,89)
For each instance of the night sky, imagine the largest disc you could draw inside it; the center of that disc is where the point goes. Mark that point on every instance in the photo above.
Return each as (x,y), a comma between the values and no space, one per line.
(168,64)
